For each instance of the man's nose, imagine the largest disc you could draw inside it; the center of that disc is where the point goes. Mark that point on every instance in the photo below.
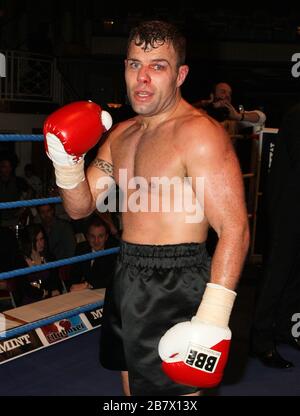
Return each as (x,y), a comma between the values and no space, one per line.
(143,75)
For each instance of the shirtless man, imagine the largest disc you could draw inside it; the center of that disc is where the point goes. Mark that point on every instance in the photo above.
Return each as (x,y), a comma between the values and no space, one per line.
(163,268)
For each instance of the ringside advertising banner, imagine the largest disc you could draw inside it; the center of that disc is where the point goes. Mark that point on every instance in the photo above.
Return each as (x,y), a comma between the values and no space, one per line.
(63,329)
(19,345)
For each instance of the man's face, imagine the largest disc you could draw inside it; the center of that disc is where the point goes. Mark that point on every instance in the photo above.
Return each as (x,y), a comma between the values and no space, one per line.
(153,78)
(96,237)
(46,213)
(223,92)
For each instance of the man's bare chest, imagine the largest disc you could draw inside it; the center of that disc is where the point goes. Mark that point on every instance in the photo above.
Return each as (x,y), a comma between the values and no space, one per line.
(147,156)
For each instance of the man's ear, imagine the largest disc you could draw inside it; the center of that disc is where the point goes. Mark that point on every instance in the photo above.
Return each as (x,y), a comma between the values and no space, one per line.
(182,73)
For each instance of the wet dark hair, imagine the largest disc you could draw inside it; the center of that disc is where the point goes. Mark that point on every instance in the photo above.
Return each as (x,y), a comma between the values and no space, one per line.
(154,33)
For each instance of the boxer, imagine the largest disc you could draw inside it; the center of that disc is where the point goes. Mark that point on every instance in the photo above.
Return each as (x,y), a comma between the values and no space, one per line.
(154,330)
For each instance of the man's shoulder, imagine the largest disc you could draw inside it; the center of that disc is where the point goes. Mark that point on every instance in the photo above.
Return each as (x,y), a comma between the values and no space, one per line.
(196,118)
(198,128)
(201,138)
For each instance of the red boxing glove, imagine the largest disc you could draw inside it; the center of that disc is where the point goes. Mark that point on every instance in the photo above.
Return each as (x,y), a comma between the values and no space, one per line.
(195,353)
(69,133)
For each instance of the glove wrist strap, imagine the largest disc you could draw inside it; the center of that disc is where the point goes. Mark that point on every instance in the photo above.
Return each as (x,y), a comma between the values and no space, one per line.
(68,177)
(216,305)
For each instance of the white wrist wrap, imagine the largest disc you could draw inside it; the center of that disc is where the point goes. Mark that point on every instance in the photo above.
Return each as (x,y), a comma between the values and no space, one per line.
(216,305)
(68,177)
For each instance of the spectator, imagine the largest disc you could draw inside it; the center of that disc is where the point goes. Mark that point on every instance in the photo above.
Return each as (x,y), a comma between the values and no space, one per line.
(219,106)
(60,234)
(110,219)
(95,273)
(43,284)
(33,180)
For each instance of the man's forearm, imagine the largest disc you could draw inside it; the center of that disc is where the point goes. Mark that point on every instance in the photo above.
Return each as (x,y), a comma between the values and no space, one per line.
(229,257)
(78,202)
(253,117)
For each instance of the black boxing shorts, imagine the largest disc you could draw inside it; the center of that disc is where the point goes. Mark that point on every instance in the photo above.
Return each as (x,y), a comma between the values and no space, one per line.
(154,288)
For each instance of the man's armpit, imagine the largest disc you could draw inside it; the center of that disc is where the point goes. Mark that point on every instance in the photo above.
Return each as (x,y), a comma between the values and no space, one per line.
(105,166)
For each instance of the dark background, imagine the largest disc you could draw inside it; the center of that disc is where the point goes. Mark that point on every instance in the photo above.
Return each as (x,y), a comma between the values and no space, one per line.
(248,45)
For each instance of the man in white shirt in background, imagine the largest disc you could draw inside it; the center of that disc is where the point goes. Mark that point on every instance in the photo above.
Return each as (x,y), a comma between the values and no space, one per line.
(219,105)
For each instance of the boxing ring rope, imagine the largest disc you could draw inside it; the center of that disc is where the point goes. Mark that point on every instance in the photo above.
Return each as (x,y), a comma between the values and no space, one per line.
(57,263)
(46,321)
(21,138)
(30,202)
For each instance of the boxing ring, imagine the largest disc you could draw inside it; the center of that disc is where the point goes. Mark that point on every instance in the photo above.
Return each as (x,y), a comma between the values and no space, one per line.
(70,368)
(41,324)
(81,312)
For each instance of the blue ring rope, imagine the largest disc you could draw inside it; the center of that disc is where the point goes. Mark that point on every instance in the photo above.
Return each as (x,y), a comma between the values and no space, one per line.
(30,202)
(49,320)
(51,265)
(21,137)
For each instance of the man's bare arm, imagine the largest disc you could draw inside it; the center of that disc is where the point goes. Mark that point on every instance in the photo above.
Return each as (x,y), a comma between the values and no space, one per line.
(210,155)
(248,118)
(81,201)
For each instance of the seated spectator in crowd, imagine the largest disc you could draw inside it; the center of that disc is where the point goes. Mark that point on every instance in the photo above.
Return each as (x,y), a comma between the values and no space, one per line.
(114,233)
(94,273)
(43,284)
(219,106)
(33,180)
(60,234)
(12,188)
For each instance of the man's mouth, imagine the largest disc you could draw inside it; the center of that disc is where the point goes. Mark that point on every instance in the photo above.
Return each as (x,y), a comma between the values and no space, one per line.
(143,95)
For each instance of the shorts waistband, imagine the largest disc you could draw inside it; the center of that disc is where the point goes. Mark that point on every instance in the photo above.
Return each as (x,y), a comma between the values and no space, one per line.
(163,256)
